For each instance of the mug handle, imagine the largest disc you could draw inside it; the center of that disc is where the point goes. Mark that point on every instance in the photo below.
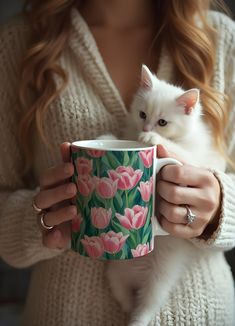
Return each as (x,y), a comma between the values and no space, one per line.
(160,163)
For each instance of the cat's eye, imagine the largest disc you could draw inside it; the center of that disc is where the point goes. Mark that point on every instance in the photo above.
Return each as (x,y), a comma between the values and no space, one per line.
(142,115)
(162,123)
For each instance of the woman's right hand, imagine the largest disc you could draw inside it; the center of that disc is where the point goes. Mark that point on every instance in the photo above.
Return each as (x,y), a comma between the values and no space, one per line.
(56,192)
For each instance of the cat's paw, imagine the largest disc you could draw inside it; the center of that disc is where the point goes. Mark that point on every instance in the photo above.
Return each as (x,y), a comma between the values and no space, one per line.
(150,138)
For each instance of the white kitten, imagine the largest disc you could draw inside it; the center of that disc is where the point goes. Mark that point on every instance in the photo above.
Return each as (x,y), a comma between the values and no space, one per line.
(161,114)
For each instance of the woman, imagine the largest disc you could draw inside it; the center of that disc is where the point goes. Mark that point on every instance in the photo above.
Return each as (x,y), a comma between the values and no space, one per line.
(98,48)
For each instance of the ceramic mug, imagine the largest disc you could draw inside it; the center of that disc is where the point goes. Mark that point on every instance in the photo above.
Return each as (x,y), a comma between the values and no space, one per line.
(115,198)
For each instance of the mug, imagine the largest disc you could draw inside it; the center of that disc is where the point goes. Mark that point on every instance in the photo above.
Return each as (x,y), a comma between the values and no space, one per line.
(115,198)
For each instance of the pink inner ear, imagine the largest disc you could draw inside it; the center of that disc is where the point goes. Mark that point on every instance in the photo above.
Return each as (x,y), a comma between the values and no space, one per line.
(189,100)
(146,78)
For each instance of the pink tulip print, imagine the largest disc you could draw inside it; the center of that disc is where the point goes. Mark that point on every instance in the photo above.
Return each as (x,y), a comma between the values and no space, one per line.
(93,246)
(84,166)
(133,218)
(95,153)
(100,217)
(106,187)
(147,157)
(114,200)
(85,184)
(113,242)
(140,250)
(146,190)
(127,177)
(76,223)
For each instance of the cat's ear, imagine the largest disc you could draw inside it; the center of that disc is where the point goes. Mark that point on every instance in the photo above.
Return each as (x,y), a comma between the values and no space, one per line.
(146,78)
(189,100)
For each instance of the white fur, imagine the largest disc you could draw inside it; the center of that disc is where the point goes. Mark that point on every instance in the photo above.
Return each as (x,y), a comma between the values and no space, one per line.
(187,136)
(142,285)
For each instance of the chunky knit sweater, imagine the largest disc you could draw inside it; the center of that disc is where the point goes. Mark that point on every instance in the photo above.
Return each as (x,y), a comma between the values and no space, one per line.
(67,289)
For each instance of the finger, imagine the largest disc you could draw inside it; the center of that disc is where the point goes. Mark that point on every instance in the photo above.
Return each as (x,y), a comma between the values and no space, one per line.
(185,175)
(173,213)
(180,230)
(178,195)
(178,214)
(58,238)
(49,197)
(55,175)
(65,239)
(163,152)
(51,239)
(65,151)
(59,216)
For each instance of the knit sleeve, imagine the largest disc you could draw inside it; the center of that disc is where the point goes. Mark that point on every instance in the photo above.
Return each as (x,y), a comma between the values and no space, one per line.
(223,238)
(20,237)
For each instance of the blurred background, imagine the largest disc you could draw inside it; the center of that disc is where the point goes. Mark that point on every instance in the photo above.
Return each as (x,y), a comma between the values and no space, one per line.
(14,282)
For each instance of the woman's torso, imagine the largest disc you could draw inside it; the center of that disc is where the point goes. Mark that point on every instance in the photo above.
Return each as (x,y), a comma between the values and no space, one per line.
(72,290)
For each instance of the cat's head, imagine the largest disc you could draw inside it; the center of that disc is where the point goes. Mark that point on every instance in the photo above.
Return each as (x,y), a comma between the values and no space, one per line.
(164,108)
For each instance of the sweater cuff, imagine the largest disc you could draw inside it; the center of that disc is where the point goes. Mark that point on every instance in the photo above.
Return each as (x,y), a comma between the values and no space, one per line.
(223,238)
(20,235)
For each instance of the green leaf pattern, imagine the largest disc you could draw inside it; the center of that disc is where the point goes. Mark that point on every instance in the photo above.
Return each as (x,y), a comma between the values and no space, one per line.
(114,202)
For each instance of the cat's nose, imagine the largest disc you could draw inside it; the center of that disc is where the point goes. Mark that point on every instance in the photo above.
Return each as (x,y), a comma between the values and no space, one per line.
(147,127)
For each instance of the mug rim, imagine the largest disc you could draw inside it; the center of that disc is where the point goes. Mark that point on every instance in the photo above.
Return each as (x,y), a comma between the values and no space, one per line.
(111,145)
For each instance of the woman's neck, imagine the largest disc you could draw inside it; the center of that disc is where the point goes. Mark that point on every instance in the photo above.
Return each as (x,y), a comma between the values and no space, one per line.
(118,14)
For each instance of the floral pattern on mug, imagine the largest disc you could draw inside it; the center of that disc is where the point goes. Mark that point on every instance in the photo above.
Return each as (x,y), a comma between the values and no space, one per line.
(106,187)
(127,177)
(146,189)
(85,184)
(100,217)
(147,157)
(93,246)
(84,166)
(115,203)
(113,242)
(140,250)
(95,152)
(133,218)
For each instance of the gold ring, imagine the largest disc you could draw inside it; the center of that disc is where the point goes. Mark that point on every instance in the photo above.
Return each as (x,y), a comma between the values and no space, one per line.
(35,207)
(43,224)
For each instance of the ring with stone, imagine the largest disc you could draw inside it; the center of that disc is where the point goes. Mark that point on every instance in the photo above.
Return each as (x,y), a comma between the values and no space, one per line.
(190,216)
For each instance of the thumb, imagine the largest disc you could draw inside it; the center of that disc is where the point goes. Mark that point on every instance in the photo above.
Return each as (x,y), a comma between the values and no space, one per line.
(162,151)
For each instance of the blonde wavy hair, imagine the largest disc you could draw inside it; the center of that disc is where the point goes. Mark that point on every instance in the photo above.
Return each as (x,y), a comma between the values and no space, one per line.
(192,48)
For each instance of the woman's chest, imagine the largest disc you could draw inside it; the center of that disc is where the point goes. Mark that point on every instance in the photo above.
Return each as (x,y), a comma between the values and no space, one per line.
(79,113)
(123,54)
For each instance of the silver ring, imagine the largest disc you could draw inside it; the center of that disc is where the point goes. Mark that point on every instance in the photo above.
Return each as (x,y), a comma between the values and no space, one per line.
(35,207)
(43,224)
(191,217)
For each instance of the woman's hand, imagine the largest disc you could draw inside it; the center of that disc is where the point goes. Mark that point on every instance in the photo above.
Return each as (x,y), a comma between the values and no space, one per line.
(202,195)
(54,197)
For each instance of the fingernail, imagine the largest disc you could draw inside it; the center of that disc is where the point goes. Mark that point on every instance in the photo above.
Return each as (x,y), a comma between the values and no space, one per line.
(70,189)
(73,210)
(67,169)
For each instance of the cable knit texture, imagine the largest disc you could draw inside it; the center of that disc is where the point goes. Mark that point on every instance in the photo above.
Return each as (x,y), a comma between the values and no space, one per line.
(67,289)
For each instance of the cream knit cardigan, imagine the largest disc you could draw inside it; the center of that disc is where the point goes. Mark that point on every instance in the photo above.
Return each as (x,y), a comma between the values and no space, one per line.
(67,289)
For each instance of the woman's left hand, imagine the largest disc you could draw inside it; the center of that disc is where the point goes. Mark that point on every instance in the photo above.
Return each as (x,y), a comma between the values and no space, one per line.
(201,193)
